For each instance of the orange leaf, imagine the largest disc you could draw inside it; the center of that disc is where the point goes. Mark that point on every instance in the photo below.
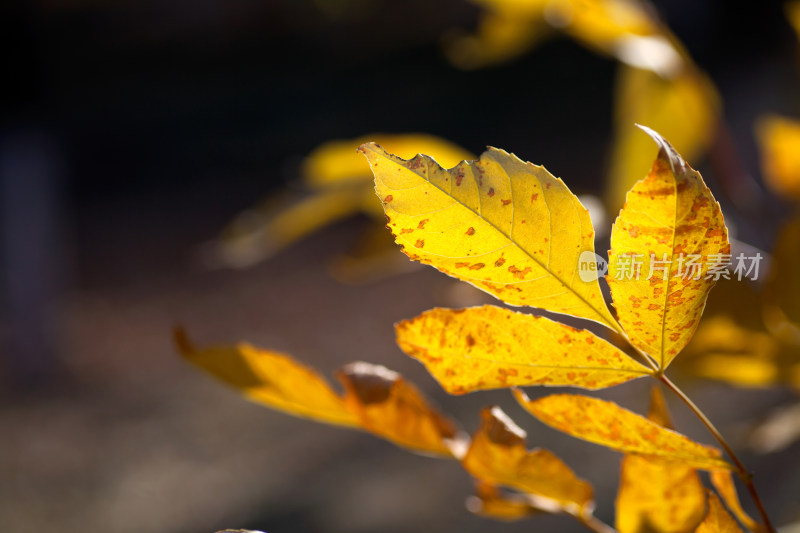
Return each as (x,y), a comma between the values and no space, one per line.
(670,222)
(270,378)
(490,502)
(490,347)
(608,424)
(718,520)
(389,407)
(723,482)
(656,494)
(497,455)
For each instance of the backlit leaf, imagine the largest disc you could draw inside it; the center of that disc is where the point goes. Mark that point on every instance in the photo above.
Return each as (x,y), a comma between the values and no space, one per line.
(491,347)
(389,407)
(608,424)
(337,163)
(684,108)
(498,455)
(717,520)
(779,142)
(723,482)
(490,502)
(505,226)
(272,379)
(669,219)
(658,495)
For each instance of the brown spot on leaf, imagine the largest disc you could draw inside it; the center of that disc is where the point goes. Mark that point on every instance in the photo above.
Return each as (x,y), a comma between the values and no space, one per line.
(470,231)
(654,307)
(420,243)
(505,202)
(499,262)
(462,265)
(534,197)
(491,192)
(422,223)
(477,266)
(406,230)
(470,340)
(388,198)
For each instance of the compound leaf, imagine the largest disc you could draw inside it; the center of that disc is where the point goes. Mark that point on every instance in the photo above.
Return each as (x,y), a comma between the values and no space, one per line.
(506,226)
(608,424)
(492,347)
(667,238)
(497,455)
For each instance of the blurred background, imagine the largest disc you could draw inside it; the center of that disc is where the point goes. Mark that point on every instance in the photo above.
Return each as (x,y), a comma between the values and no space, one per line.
(149,149)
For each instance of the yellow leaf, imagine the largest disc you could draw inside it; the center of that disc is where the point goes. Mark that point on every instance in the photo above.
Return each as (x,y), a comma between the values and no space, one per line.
(683,108)
(389,407)
(497,455)
(337,163)
(501,35)
(723,482)
(610,425)
(670,219)
(717,520)
(270,378)
(491,347)
(655,494)
(779,143)
(782,290)
(490,502)
(793,14)
(508,227)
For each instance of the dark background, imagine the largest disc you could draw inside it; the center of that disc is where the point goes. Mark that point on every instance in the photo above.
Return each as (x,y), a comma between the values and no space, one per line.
(133,131)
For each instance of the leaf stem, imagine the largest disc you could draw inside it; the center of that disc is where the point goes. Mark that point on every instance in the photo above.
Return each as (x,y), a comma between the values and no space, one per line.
(741,471)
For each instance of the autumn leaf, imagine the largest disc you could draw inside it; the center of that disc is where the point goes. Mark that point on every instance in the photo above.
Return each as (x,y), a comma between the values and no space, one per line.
(684,108)
(658,495)
(779,144)
(718,520)
(490,502)
(608,424)
(270,378)
(389,407)
(492,347)
(723,482)
(670,219)
(497,455)
(508,227)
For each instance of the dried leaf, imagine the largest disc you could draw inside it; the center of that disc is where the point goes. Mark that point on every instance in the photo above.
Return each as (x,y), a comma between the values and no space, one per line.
(718,520)
(497,455)
(490,502)
(655,494)
(492,347)
(505,226)
(723,482)
(669,217)
(389,407)
(684,108)
(779,142)
(610,425)
(270,378)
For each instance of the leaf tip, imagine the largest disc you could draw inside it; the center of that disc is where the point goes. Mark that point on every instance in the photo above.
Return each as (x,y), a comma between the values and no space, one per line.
(666,151)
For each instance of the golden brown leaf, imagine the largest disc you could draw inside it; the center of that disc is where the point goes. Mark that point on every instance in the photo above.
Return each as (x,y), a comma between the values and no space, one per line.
(389,407)
(270,378)
(723,482)
(718,520)
(669,219)
(608,424)
(508,227)
(491,347)
(779,141)
(655,494)
(490,502)
(498,456)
